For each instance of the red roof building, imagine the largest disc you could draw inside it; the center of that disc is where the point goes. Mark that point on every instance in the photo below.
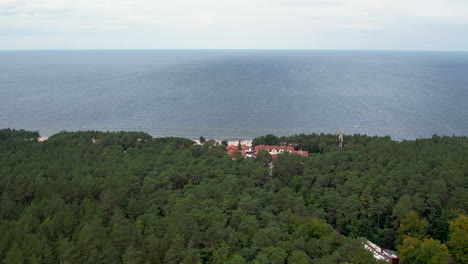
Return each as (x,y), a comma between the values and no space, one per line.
(244,151)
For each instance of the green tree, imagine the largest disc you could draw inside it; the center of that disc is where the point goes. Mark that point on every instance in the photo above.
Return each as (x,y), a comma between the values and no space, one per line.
(266,140)
(354,252)
(176,252)
(193,257)
(202,140)
(299,257)
(458,241)
(72,199)
(427,251)
(276,255)
(132,256)
(65,250)
(15,255)
(90,242)
(266,237)
(8,208)
(433,252)
(413,226)
(236,259)
(271,140)
(264,157)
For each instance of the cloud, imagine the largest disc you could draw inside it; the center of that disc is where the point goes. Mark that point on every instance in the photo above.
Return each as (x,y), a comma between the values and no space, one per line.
(302,3)
(227,23)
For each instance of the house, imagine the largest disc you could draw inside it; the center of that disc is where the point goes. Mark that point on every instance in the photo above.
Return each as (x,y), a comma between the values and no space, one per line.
(248,151)
(245,151)
(42,139)
(381,253)
(275,150)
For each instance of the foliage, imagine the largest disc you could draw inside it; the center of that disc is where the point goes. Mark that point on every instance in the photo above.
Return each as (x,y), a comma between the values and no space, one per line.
(458,241)
(412,225)
(125,197)
(269,139)
(427,251)
(368,188)
(202,140)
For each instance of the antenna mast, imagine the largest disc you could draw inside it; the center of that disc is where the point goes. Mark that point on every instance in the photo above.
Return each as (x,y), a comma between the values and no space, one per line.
(340,139)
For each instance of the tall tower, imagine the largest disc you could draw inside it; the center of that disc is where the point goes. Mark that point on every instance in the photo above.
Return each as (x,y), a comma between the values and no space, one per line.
(340,139)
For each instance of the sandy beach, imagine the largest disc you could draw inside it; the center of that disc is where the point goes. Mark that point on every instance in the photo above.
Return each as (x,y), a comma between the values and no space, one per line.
(247,143)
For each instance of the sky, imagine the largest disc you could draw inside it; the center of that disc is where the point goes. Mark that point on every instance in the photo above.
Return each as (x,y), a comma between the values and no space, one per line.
(234,24)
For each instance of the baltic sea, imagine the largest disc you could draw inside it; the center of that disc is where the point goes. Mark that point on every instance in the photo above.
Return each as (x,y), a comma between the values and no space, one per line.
(236,94)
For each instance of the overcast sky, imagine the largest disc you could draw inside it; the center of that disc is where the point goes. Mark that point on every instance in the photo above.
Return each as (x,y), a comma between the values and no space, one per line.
(234,24)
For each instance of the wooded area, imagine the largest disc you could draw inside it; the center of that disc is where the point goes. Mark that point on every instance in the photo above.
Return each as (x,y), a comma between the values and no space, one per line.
(126,197)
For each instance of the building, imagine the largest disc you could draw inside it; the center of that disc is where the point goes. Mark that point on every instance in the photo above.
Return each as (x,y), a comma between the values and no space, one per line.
(248,151)
(42,139)
(275,150)
(381,253)
(245,151)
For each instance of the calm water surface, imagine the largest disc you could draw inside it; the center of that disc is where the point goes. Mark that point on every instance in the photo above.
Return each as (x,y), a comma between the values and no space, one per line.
(236,94)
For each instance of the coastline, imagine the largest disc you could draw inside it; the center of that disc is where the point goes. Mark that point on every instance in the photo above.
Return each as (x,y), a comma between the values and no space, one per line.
(245,142)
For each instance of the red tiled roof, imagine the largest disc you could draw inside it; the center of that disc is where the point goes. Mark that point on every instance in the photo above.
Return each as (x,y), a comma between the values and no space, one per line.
(236,148)
(232,150)
(302,152)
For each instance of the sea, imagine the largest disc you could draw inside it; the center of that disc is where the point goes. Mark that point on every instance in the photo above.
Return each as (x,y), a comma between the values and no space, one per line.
(236,94)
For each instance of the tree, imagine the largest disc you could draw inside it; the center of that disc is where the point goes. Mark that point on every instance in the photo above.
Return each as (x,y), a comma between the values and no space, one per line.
(177,251)
(236,259)
(264,157)
(276,255)
(458,241)
(65,250)
(299,257)
(91,239)
(193,257)
(15,255)
(427,251)
(353,252)
(7,206)
(286,166)
(271,140)
(266,237)
(413,226)
(132,256)
(202,140)
(166,200)
(433,252)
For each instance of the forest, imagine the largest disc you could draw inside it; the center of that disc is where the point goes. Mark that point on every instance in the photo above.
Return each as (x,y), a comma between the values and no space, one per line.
(126,197)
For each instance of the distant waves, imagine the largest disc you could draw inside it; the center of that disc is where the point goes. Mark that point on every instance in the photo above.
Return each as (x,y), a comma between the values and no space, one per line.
(236,94)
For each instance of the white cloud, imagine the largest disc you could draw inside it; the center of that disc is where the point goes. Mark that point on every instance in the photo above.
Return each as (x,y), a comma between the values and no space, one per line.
(228,23)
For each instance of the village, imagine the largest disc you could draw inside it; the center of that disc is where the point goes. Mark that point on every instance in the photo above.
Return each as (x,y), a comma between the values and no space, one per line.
(248,151)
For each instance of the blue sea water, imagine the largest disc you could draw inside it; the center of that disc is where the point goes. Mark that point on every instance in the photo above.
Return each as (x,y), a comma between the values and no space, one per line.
(233,94)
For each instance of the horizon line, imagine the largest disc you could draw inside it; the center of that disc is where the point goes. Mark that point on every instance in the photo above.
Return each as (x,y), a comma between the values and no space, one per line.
(227,49)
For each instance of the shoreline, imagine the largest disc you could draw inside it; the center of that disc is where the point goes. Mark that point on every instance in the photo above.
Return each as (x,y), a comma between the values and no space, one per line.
(246,142)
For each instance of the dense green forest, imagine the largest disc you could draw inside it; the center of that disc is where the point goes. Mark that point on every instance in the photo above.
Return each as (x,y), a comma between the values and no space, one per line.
(94,197)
